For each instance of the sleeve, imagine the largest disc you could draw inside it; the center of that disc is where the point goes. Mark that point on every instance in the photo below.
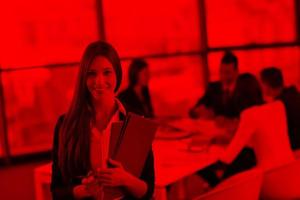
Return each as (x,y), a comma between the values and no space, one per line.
(205,100)
(241,138)
(58,188)
(148,175)
(207,97)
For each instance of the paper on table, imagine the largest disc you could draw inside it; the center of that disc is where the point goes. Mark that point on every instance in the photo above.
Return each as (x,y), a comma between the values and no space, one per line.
(207,127)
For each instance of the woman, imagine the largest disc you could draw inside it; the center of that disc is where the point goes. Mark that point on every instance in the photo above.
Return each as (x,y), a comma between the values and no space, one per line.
(136,97)
(261,126)
(80,152)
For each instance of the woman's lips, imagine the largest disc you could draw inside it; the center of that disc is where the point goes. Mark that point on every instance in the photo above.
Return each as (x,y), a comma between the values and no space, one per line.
(99,90)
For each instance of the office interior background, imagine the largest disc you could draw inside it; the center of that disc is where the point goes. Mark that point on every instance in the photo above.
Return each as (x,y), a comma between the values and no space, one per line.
(41,43)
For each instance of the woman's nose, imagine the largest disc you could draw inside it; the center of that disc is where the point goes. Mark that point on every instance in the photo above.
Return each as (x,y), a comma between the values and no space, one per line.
(99,80)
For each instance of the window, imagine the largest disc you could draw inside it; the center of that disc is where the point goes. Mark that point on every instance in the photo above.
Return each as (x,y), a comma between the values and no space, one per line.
(139,28)
(239,22)
(34,100)
(45,32)
(288,59)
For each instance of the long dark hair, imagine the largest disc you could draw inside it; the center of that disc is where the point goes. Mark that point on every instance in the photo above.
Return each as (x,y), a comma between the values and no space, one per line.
(74,134)
(247,92)
(136,66)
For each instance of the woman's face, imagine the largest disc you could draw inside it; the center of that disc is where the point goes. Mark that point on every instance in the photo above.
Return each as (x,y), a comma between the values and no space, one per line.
(101,79)
(144,76)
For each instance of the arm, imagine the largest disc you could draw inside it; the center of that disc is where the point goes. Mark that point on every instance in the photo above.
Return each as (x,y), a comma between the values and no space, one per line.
(202,107)
(242,136)
(58,188)
(137,188)
(148,176)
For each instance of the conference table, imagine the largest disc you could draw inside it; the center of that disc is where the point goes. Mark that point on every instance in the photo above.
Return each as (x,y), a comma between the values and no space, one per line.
(176,155)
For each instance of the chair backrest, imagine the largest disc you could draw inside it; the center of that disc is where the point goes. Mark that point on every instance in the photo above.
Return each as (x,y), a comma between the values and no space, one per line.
(245,185)
(282,182)
(297,154)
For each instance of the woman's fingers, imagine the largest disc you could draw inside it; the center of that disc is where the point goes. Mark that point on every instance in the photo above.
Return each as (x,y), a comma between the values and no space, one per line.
(104,177)
(88,181)
(84,181)
(89,178)
(114,163)
(108,184)
(107,180)
(106,171)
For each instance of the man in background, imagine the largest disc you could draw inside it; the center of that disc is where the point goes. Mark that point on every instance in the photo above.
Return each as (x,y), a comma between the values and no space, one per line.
(273,86)
(218,103)
(218,99)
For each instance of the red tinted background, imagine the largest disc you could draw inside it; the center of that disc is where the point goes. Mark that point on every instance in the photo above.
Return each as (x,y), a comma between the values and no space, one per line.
(169,34)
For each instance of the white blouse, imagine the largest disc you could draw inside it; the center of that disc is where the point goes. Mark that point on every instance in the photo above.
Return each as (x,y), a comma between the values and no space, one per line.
(264,128)
(99,148)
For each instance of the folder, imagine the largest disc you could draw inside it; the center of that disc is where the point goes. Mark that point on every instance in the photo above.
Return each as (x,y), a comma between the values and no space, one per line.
(130,143)
(135,141)
(116,128)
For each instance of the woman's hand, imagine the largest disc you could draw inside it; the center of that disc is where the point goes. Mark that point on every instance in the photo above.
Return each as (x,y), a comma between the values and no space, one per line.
(114,176)
(89,187)
(118,176)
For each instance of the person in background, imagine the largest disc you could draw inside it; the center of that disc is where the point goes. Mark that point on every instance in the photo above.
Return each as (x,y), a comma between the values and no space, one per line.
(218,103)
(274,89)
(136,98)
(262,127)
(81,138)
(218,99)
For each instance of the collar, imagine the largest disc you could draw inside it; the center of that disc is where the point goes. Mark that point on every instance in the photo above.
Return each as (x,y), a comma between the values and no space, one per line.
(120,111)
(120,107)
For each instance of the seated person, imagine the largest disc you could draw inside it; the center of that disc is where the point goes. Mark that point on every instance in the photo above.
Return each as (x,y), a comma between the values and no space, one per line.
(219,103)
(273,85)
(136,97)
(218,99)
(261,126)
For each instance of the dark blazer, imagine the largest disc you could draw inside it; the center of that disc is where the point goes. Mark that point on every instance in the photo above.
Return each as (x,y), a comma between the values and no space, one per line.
(291,100)
(64,191)
(216,99)
(133,104)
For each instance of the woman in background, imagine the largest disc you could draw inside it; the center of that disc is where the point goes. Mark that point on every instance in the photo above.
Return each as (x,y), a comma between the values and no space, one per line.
(136,97)
(262,127)
(81,138)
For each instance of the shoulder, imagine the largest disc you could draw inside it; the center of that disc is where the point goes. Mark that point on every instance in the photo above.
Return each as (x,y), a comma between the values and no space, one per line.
(58,124)
(264,109)
(216,85)
(60,119)
(272,106)
(277,106)
(251,112)
(56,133)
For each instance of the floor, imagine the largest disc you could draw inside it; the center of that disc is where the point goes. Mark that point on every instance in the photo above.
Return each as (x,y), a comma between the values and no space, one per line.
(16,181)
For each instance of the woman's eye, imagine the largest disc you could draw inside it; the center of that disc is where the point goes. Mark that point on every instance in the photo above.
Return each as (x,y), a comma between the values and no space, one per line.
(107,72)
(92,73)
